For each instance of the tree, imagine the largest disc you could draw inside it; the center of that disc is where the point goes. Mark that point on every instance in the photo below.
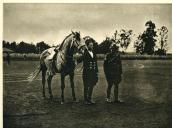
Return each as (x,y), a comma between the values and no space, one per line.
(14,46)
(115,38)
(24,47)
(32,48)
(6,44)
(125,39)
(138,45)
(162,41)
(105,45)
(148,38)
(145,42)
(41,46)
(122,39)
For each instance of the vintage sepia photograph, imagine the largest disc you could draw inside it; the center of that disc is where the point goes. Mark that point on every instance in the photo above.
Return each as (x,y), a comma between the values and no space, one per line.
(87,65)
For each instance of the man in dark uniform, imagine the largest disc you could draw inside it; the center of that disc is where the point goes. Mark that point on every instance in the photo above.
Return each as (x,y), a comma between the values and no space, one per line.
(113,72)
(90,70)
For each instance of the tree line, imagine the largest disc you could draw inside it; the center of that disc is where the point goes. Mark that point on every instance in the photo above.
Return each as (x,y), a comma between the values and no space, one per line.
(24,47)
(151,41)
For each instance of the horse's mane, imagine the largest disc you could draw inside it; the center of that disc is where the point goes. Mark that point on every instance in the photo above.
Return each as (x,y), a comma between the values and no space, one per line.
(61,45)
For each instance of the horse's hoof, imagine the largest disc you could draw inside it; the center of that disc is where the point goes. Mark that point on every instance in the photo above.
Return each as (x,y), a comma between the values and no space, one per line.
(62,102)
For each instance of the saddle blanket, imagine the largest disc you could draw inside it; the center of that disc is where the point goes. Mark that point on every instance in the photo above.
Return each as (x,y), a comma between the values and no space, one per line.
(48,54)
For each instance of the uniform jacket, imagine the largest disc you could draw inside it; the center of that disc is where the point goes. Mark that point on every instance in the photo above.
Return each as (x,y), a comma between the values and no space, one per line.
(89,63)
(90,68)
(112,65)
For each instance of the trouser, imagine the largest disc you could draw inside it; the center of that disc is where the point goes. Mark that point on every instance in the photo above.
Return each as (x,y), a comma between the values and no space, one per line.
(88,90)
(110,84)
(89,80)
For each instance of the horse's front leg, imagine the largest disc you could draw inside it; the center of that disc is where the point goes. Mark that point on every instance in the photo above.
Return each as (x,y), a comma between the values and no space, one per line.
(43,82)
(72,85)
(62,88)
(49,85)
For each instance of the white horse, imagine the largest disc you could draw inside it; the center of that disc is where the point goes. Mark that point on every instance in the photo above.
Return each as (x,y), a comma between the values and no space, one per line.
(62,63)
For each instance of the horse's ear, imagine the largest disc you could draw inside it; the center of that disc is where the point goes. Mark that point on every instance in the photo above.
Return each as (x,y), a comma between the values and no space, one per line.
(72,32)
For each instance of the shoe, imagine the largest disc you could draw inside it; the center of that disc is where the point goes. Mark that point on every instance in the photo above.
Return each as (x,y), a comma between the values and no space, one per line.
(89,102)
(108,100)
(92,102)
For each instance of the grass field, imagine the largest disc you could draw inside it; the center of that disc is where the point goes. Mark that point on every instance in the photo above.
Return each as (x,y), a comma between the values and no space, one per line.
(35,57)
(145,89)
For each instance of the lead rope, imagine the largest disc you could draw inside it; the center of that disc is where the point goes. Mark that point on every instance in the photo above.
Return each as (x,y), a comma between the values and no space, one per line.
(79,69)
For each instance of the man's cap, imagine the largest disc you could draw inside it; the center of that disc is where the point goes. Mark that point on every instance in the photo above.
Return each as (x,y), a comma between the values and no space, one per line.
(88,39)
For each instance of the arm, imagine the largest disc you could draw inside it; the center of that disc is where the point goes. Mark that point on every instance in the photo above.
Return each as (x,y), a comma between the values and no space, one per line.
(105,65)
(97,65)
(120,64)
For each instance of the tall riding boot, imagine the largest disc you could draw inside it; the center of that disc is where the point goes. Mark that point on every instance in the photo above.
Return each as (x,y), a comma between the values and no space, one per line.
(116,93)
(90,91)
(85,93)
(110,84)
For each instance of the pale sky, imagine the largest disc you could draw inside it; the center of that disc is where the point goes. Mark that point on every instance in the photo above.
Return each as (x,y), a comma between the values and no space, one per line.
(52,22)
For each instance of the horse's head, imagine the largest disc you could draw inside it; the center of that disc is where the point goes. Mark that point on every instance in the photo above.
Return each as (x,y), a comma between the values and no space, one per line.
(78,43)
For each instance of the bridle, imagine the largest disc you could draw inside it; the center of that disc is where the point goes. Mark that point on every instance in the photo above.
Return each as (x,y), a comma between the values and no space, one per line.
(78,46)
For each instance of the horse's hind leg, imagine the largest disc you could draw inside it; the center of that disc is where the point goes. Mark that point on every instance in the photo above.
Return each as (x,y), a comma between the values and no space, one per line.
(72,85)
(62,88)
(49,85)
(43,82)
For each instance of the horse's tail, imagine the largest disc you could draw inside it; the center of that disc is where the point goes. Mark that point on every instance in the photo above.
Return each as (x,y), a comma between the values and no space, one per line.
(34,74)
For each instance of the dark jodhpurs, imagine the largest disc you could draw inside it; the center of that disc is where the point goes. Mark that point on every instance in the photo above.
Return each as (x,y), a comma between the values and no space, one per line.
(88,90)
(110,84)
(113,81)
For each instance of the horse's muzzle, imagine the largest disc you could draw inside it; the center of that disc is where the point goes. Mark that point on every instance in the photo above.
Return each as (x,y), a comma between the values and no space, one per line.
(81,49)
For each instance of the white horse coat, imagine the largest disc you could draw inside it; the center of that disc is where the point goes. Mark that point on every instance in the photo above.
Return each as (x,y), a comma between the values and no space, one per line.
(48,55)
